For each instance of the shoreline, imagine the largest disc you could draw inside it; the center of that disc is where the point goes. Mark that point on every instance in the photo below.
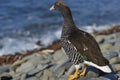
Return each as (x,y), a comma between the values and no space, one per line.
(51,63)
(56,45)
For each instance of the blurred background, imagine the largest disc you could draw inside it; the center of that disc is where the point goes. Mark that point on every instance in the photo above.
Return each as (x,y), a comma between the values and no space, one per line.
(25,22)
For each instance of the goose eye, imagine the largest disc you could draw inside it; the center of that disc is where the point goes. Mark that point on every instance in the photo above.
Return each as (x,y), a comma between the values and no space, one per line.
(58,4)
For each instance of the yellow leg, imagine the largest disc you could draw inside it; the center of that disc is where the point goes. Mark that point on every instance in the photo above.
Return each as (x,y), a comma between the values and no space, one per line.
(75,75)
(84,71)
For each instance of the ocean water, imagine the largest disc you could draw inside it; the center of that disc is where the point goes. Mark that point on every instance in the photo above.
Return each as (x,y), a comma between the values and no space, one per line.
(24,22)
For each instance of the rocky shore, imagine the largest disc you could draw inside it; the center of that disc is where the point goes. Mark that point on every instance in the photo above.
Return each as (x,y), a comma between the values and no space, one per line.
(51,63)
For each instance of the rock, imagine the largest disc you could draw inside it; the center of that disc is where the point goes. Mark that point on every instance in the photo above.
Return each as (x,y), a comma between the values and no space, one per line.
(70,70)
(105,47)
(100,39)
(16,64)
(116,67)
(60,72)
(48,74)
(38,75)
(17,76)
(6,78)
(114,60)
(100,78)
(116,47)
(5,74)
(35,71)
(88,76)
(4,68)
(32,78)
(110,55)
(91,74)
(26,67)
(23,76)
(47,51)
(32,56)
(59,56)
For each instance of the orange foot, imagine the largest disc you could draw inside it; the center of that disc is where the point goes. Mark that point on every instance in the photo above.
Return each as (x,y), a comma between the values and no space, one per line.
(84,71)
(74,76)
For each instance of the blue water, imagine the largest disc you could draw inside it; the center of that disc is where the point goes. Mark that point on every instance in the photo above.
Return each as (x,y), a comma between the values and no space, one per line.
(24,22)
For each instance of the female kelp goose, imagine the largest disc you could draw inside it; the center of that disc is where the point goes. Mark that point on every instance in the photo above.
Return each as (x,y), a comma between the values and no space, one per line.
(80,46)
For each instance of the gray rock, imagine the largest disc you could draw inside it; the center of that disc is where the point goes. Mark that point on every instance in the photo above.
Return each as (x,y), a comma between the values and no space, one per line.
(110,55)
(116,47)
(114,60)
(70,70)
(4,68)
(32,78)
(60,72)
(88,76)
(116,67)
(26,67)
(35,71)
(47,74)
(100,78)
(17,76)
(23,76)
(105,47)
(38,75)
(5,74)
(32,56)
(59,56)
(6,78)
(16,64)
(100,38)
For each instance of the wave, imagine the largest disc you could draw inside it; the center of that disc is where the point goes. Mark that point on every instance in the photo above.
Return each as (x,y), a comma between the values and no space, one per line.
(10,45)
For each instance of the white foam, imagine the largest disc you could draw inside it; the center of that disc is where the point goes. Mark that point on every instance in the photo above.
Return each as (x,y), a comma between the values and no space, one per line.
(96,28)
(12,45)
(50,37)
